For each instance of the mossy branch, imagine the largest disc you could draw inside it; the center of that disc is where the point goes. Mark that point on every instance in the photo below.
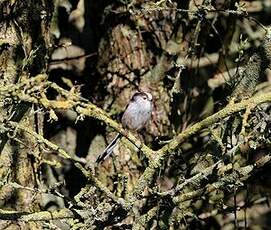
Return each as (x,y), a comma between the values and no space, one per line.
(40,139)
(162,153)
(144,219)
(81,105)
(101,186)
(86,108)
(37,216)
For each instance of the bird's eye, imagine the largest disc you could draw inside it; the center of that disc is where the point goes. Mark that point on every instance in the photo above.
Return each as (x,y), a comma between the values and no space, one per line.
(144,98)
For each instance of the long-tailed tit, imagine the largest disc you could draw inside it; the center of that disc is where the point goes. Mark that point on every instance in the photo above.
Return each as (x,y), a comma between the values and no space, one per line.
(137,114)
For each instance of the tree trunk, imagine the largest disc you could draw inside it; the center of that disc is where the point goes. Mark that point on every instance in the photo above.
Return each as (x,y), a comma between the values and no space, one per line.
(24,45)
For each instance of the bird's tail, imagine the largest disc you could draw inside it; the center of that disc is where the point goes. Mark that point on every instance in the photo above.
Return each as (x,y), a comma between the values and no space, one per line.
(109,149)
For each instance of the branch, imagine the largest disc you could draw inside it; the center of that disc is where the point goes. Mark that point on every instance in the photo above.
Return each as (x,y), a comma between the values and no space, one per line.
(85,108)
(93,111)
(143,220)
(74,101)
(41,139)
(101,186)
(65,155)
(229,174)
(36,216)
(162,153)
(236,176)
(193,180)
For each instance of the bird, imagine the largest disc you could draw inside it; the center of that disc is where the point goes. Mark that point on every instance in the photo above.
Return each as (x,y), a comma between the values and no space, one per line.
(135,117)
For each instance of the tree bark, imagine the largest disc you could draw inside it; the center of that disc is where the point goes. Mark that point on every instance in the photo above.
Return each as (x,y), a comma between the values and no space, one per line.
(24,44)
